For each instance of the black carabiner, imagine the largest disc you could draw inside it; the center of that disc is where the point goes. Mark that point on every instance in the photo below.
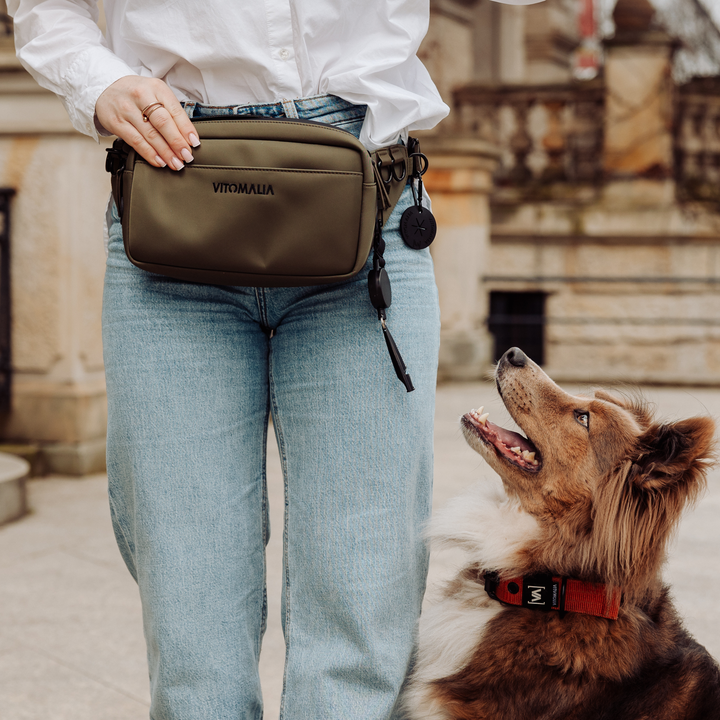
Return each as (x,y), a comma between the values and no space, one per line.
(424,164)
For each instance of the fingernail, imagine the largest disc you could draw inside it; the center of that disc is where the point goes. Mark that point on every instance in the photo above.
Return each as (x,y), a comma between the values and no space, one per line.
(187,155)
(177,164)
(194,139)
(160,161)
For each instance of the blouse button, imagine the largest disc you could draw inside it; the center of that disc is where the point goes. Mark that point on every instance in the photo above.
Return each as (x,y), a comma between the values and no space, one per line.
(284,54)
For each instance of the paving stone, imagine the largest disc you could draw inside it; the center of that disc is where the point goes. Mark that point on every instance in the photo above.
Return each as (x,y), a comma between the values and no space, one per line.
(34,686)
(80,613)
(72,514)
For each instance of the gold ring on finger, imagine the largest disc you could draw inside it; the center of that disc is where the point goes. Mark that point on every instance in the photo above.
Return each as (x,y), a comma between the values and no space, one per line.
(150,109)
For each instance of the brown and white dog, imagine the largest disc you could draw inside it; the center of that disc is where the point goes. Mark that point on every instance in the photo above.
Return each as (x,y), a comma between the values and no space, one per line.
(588,502)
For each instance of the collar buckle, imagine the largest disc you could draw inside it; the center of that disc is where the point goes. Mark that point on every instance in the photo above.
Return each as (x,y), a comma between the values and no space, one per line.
(492,581)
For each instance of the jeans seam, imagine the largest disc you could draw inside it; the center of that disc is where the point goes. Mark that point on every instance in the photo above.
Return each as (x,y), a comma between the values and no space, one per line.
(265,537)
(286,561)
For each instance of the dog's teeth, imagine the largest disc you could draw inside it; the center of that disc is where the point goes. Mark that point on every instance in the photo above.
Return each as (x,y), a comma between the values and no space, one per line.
(482,419)
(480,409)
(529,456)
(516,450)
(535,462)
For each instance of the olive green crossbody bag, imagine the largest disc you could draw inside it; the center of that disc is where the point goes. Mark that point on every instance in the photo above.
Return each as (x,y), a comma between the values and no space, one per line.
(265,203)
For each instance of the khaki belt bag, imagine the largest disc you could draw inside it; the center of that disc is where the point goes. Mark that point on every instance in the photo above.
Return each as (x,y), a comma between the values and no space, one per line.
(266,203)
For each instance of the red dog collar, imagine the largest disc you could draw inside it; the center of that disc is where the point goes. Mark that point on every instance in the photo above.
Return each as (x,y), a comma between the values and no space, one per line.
(545,592)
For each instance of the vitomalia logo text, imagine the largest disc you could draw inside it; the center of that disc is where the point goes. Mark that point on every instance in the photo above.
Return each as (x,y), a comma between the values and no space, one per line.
(243,188)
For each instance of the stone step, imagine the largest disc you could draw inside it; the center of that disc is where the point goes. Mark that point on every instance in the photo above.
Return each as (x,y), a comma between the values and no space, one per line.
(14,472)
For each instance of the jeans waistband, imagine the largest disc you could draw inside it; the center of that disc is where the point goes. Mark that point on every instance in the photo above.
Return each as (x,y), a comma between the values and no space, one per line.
(329,109)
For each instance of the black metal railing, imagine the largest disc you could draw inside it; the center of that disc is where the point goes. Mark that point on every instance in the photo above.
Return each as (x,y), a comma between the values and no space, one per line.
(5,310)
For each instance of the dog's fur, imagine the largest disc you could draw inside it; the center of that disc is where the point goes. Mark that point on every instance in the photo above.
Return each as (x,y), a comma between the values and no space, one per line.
(609,487)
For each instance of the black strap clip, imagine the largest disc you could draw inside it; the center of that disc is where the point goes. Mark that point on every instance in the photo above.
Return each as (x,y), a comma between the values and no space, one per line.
(115,161)
(491,585)
(116,157)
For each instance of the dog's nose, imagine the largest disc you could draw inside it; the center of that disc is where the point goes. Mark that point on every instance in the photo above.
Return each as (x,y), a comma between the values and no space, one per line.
(515,356)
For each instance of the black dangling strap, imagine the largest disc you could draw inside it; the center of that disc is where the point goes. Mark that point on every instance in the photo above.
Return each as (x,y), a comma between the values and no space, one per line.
(396,357)
(381,297)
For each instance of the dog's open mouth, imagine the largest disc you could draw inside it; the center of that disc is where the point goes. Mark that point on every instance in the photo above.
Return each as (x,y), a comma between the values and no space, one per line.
(510,445)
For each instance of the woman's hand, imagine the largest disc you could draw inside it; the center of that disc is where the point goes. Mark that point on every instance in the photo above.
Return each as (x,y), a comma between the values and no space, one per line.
(166,138)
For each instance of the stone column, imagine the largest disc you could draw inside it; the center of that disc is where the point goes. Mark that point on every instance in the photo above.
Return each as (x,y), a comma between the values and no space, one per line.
(638,96)
(459,181)
(57,266)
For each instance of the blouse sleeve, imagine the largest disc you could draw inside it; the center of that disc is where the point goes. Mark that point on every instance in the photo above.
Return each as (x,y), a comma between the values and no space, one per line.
(60,44)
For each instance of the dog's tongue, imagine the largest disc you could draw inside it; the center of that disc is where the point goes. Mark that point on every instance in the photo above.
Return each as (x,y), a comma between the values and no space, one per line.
(510,438)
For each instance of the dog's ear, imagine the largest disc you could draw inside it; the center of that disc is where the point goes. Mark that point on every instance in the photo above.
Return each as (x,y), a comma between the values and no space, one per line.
(673,455)
(637,508)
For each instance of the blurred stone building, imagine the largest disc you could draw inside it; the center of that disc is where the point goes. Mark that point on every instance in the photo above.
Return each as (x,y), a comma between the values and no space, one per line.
(51,369)
(579,219)
(603,256)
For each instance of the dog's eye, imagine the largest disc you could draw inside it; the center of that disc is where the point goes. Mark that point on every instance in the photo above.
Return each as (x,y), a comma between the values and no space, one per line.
(582,417)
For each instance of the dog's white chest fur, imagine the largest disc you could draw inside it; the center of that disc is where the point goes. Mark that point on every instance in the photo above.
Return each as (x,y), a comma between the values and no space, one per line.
(491,529)
(449,633)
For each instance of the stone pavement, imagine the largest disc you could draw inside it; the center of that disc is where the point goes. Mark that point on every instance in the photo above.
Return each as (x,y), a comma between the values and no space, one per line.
(71,645)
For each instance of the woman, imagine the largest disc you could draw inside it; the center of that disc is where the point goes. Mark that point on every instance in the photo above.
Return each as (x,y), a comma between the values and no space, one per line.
(194,371)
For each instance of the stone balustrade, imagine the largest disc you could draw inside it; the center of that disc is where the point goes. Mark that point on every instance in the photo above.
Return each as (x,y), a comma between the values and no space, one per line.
(545,133)
(556,133)
(697,139)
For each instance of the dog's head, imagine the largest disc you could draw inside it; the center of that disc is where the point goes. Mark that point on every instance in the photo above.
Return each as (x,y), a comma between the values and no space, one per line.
(606,483)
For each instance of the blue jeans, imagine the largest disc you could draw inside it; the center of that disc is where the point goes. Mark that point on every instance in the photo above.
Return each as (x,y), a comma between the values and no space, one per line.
(193,374)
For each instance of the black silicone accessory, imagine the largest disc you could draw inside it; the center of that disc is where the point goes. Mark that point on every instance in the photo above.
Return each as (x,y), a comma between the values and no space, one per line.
(417,224)
(418,227)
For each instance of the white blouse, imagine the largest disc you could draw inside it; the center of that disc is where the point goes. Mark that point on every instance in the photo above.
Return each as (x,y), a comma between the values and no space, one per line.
(229,52)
